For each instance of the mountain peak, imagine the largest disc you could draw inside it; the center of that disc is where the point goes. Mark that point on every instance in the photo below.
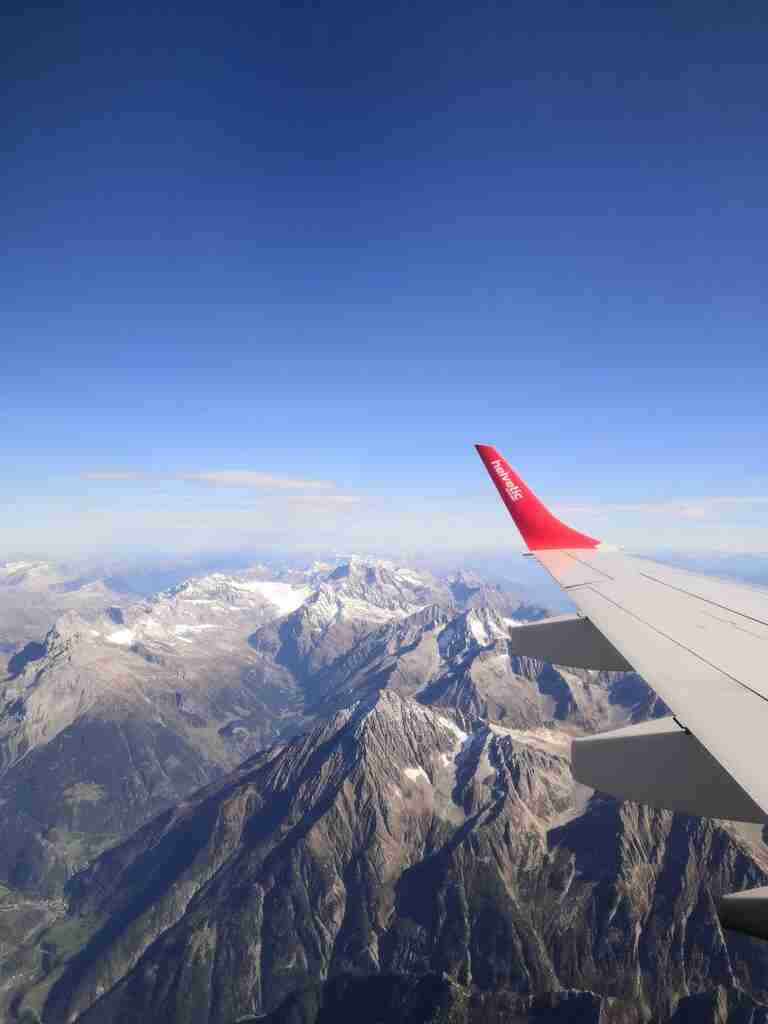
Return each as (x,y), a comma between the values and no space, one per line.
(411,717)
(476,627)
(384,802)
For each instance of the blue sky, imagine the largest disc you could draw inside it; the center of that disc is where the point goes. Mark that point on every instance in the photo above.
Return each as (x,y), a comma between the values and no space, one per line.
(339,243)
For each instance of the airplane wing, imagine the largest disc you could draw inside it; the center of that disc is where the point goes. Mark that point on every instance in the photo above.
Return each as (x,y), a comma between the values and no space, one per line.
(699,642)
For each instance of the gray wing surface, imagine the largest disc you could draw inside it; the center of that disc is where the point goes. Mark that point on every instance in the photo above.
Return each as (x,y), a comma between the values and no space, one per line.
(700,643)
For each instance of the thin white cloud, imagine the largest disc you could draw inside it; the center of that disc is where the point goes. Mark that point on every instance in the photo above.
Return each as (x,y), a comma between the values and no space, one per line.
(115,475)
(696,508)
(326,499)
(193,520)
(248,478)
(278,501)
(219,478)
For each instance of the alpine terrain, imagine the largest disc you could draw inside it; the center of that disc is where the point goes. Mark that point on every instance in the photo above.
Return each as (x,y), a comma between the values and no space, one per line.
(288,794)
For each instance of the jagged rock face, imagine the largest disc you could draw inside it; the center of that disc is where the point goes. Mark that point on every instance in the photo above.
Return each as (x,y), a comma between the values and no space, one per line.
(647,884)
(409,999)
(471,591)
(390,841)
(353,599)
(351,810)
(720,1006)
(467,661)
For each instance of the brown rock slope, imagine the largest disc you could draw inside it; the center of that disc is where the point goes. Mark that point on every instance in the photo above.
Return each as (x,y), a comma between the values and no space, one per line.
(390,841)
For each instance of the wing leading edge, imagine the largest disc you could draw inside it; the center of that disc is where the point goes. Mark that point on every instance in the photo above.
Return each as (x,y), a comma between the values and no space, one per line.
(702,645)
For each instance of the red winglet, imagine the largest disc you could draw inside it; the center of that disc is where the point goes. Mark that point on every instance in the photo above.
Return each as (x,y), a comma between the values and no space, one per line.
(541,531)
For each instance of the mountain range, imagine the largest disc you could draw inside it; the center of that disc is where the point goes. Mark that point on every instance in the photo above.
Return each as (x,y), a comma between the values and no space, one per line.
(386,806)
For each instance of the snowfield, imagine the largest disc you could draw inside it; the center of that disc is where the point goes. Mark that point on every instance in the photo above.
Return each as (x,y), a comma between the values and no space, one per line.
(124,637)
(284,596)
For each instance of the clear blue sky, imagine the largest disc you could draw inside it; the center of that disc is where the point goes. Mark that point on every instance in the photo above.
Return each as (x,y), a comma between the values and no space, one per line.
(340,242)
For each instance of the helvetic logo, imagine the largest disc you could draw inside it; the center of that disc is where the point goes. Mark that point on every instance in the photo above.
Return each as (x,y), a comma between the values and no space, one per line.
(510,486)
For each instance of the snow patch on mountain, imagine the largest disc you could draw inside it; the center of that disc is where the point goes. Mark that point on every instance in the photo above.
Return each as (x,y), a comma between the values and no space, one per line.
(284,596)
(452,727)
(543,737)
(354,608)
(477,626)
(411,577)
(123,637)
(480,630)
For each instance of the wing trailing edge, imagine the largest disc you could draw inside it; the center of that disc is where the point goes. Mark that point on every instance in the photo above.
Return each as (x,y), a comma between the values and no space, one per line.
(746,912)
(569,640)
(662,765)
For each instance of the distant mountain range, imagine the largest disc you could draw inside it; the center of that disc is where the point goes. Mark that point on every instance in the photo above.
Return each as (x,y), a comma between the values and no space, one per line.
(386,808)
(123,709)
(33,594)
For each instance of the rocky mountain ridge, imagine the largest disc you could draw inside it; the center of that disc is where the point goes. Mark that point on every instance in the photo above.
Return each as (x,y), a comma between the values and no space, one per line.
(395,840)
(430,842)
(130,708)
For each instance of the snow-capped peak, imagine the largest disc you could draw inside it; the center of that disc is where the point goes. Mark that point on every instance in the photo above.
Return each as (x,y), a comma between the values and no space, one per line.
(480,626)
